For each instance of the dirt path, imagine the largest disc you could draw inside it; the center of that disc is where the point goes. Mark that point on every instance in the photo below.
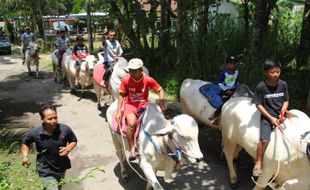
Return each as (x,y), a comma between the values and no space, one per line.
(21,96)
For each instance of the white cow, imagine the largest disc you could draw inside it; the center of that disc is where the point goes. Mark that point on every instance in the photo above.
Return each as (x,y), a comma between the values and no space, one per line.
(86,69)
(59,75)
(182,129)
(240,129)
(32,57)
(119,72)
(196,105)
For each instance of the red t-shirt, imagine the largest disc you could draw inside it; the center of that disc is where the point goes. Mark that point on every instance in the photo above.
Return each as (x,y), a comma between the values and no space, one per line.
(137,92)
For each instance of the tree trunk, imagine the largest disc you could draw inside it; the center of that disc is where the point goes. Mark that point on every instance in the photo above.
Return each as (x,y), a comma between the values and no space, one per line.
(89,27)
(133,40)
(308,102)
(183,35)
(304,46)
(203,20)
(259,29)
(39,19)
(165,24)
(246,17)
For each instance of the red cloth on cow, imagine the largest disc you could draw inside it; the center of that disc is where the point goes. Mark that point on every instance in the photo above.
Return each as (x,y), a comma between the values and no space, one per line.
(80,56)
(122,129)
(98,73)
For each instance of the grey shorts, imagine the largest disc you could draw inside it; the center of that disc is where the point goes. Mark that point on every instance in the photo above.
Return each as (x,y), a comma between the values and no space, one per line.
(51,182)
(265,129)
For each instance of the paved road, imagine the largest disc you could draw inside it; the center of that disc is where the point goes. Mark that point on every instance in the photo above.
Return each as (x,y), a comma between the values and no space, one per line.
(21,96)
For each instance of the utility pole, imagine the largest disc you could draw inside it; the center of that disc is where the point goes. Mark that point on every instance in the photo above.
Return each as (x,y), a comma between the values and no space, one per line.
(89,26)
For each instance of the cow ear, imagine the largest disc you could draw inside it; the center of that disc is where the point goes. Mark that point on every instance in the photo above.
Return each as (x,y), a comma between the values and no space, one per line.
(168,129)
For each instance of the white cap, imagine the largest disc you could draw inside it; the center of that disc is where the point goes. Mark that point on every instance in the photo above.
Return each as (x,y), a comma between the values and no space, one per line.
(135,63)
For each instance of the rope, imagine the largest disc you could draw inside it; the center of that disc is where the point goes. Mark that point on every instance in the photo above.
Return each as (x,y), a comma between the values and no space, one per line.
(279,121)
(126,156)
(278,170)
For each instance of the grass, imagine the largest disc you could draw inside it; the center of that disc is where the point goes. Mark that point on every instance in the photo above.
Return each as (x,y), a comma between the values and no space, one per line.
(13,175)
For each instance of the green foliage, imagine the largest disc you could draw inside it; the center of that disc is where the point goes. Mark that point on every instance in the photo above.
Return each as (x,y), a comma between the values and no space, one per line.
(13,175)
(78,5)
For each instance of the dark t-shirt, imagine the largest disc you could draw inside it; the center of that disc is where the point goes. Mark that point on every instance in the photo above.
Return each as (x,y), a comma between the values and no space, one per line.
(49,162)
(271,97)
(80,49)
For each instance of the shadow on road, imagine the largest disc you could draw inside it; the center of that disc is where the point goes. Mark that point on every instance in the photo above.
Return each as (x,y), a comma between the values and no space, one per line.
(22,95)
(211,174)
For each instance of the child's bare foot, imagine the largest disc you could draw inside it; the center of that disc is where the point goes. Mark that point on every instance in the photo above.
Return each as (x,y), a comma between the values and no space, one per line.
(102,83)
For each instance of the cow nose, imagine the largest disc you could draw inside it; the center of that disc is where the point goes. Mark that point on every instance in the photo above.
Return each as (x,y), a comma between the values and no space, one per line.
(91,72)
(199,159)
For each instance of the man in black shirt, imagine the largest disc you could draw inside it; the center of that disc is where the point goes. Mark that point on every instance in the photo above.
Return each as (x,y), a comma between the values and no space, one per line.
(53,142)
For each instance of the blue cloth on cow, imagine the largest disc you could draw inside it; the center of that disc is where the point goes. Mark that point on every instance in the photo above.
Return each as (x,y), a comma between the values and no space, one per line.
(212,93)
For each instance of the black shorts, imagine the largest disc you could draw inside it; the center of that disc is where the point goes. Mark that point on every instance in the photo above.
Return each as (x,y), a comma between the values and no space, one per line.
(265,129)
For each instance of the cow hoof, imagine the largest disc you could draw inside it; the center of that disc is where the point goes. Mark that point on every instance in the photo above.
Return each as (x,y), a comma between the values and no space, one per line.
(73,91)
(233,185)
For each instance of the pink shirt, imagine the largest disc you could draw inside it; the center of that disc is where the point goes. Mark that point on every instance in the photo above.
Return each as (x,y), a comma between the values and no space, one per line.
(137,92)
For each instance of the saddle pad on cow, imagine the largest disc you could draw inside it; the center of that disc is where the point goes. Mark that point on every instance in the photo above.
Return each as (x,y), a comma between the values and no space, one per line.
(212,93)
(124,126)
(99,71)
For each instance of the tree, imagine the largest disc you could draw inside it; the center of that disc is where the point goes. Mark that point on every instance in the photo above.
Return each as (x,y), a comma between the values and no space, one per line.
(203,19)
(262,12)
(304,46)
(246,15)
(89,26)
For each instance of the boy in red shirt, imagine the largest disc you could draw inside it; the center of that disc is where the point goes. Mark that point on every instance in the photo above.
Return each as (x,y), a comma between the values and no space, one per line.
(133,93)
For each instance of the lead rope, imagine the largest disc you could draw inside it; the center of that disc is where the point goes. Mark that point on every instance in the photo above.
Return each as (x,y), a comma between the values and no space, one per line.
(279,121)
(278,170)
(126,156)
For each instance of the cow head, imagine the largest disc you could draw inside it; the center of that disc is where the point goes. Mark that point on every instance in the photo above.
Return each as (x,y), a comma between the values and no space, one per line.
(121,68)
(33,49)
(243,91)
(184,131)
(88,64)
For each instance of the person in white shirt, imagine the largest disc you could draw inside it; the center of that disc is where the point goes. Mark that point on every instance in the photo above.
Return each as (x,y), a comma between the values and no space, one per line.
(112,50)
(25,38)
(62,43)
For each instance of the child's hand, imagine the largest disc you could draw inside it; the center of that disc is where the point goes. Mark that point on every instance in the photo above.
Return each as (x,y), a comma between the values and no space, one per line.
(275,122)
(230,92)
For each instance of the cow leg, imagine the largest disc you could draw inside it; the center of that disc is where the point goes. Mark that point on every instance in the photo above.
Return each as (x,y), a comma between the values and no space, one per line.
(28,67)
(71,82)
(230,153)
(37,70)
(97,89)
(55,71)
(120,153)
(150,175)
(169,166)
